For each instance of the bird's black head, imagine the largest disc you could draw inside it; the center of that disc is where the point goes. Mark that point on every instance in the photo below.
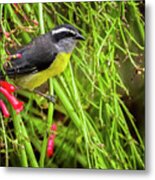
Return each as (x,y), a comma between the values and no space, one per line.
(64,37)
(66,31)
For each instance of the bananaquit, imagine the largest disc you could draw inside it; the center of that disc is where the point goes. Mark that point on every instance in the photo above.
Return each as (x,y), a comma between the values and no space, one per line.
(45,57)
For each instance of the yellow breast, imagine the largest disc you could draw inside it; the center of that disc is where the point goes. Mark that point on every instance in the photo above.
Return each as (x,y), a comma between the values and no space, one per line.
(35,80)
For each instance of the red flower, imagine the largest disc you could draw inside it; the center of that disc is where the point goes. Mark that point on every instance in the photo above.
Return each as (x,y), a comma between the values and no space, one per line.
(7,89)
(54,127)
(7,34)
(4,109)
(18,56)
(50,145)
(35,22)
(15,4)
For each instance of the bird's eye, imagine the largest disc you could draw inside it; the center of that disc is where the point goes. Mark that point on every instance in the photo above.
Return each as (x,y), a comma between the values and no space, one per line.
(64,34)
(70,34)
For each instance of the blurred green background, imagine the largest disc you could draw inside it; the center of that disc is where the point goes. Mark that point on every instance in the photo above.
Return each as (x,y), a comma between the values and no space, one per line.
(99,110)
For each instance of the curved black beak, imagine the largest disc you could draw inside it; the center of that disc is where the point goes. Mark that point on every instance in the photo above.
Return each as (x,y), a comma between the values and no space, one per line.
(79,37)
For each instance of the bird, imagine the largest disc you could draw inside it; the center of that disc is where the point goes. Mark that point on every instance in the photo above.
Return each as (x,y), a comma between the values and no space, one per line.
(44,57)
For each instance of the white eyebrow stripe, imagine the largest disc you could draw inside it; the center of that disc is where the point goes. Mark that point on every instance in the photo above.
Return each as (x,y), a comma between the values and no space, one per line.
(63,29)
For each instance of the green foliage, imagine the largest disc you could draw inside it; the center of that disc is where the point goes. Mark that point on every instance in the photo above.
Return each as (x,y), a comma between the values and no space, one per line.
(95,126)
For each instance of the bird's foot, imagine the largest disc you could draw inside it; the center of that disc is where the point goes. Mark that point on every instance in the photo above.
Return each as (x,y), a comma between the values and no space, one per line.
(50,98)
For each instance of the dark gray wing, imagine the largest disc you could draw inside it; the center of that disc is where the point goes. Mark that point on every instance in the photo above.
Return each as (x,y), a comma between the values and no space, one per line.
(36,56)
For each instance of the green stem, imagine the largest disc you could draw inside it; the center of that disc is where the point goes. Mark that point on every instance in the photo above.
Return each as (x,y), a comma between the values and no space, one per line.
(5,140)
(50,108)
(25,35)
(41,20)
(20,138)
(138,20)
(24,141)
(70,110)
(28,147)
(49,122)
